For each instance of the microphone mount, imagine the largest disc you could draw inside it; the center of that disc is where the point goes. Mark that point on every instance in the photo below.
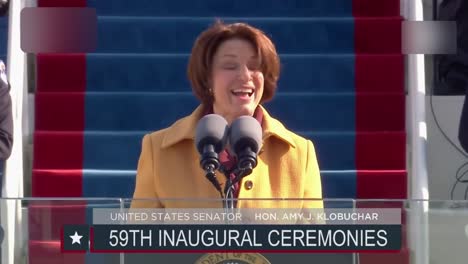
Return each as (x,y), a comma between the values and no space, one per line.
(210,163)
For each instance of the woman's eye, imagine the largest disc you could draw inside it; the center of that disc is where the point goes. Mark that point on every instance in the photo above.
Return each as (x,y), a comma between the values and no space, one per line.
(254,66)
(230,66)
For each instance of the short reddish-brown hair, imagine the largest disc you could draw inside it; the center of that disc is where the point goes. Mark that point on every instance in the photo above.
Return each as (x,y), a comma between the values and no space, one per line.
(206,45)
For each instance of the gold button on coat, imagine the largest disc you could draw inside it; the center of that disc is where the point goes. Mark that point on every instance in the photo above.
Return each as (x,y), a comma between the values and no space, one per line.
(248,185)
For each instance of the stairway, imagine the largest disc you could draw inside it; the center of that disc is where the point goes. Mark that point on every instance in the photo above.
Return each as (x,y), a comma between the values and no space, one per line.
(341,86)
(3,56)
(3,38)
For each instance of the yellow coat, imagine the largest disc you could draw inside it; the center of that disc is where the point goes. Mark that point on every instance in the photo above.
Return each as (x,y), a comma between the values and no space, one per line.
(170,176)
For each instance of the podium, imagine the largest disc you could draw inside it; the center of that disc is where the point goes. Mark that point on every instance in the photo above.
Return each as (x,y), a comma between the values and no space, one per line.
(42,231)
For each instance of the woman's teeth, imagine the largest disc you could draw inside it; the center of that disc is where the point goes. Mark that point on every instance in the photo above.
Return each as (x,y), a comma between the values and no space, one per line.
(239,92)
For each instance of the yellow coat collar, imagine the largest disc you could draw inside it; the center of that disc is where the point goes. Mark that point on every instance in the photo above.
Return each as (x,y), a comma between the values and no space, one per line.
(185,129)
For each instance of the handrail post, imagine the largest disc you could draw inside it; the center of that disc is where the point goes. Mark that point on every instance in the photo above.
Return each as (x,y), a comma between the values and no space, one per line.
(13,180)
(417,132)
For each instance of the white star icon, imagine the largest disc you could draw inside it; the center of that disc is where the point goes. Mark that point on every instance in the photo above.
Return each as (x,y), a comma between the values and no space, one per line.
(76,238)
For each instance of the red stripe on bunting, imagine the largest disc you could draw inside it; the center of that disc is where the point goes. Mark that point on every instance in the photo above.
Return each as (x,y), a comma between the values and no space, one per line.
(58,163)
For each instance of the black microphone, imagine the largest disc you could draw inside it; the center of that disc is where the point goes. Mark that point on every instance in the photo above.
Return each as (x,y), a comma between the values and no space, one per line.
(246,139)
(210,139)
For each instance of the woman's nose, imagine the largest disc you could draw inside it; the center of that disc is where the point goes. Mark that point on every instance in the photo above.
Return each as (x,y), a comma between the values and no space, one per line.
(245,74)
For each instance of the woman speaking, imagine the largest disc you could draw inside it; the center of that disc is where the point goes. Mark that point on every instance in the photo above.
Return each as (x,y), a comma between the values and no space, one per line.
(233,69)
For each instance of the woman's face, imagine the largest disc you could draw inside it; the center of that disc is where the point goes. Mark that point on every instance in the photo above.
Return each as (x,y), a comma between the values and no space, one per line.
(236,79)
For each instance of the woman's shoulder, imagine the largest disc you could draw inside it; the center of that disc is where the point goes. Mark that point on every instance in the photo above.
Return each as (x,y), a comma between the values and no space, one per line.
(276,128)
(302,143)
(181,129)
(157,136)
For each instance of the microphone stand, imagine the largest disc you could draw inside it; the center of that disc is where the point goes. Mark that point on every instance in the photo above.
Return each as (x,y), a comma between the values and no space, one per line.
(228,194)
(239,173)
